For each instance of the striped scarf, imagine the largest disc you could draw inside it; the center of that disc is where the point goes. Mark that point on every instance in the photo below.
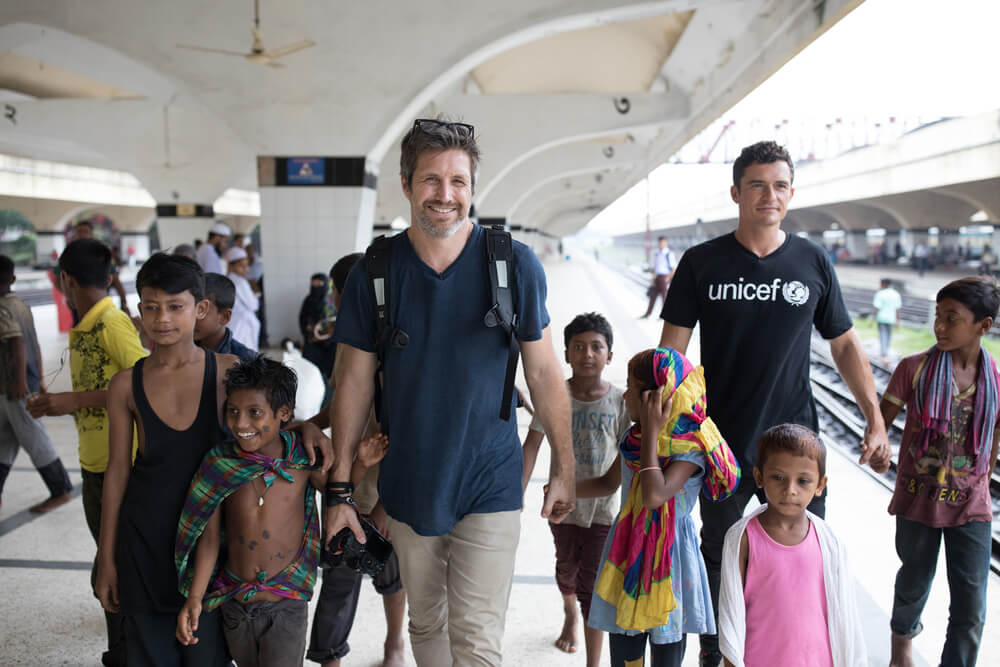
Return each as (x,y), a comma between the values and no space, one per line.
(933,397)
(636,577)
(224,470)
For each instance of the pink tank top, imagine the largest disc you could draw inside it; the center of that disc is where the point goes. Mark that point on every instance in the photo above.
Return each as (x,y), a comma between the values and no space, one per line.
(786,602)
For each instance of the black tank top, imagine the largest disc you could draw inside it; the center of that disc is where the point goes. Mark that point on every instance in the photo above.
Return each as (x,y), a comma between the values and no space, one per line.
(154,498)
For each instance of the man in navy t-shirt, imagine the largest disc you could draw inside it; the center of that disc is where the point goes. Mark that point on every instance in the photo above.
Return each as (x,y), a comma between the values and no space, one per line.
(758,292)
(451,480)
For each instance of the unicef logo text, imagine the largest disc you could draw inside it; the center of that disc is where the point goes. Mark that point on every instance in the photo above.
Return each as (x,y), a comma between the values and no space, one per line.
(795,293)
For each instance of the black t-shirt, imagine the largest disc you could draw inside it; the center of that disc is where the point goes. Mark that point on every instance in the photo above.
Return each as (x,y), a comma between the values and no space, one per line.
(756,316)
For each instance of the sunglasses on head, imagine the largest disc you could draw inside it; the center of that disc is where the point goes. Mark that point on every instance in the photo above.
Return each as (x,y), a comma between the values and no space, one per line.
(464,130)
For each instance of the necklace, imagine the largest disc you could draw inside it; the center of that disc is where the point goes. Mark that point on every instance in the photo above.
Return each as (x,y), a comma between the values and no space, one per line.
(260,496)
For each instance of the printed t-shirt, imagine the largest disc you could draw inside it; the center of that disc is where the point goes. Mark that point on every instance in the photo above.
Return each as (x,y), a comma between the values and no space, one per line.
(887,301)
(757,316)
(942,488)
(103,343)
(597,427)
(451,454)
(16,322)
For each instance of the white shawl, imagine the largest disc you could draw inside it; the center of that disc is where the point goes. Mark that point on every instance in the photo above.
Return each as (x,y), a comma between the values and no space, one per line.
(847,643)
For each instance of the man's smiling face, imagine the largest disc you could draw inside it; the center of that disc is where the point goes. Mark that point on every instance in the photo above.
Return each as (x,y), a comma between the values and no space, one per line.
(441,192)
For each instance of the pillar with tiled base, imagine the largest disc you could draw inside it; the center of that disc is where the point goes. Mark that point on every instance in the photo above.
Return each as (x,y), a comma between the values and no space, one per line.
(313,211)
(138,242)
(49,245)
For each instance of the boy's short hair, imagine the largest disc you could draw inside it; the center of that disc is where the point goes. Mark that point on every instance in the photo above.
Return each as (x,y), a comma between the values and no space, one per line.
(794,439)
(6,269)
(885,282)
(173,274)
(340,270)
(88,261)
(980,294)
(589,322)
(220,290)
(762,152)
(277,381)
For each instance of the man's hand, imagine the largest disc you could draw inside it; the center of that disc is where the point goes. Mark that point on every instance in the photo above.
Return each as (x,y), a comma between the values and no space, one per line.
(313,440)
(560,499)
(339,517)
(372,450)
(187,621)
(107,584)
(52,405)
(875,450)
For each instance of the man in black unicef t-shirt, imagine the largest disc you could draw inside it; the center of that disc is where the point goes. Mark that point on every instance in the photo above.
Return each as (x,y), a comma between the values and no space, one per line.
(757,293)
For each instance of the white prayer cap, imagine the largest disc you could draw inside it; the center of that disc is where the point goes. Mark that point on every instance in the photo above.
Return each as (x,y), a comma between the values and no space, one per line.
(220,228)
(236,253)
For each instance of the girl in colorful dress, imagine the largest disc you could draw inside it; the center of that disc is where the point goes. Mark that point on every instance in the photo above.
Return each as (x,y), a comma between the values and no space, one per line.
(653,587)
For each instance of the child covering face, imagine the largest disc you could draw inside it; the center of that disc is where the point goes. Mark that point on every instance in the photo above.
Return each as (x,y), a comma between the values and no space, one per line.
(783,552)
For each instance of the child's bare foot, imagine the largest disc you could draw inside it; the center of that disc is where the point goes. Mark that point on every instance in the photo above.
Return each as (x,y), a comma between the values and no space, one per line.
(395,655)
(902,651)
(567,641)
(51,503)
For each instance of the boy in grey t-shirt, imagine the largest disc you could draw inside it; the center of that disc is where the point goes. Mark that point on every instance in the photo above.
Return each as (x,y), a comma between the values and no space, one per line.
(598,420)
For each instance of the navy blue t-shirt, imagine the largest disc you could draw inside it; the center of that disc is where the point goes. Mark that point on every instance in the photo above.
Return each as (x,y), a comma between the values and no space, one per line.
(757,315)
(449,454)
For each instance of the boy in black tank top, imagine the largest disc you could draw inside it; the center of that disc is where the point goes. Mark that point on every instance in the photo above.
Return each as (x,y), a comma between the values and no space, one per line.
(174,398)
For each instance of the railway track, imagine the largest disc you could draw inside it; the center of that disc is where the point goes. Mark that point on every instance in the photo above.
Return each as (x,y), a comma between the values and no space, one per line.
(842,426)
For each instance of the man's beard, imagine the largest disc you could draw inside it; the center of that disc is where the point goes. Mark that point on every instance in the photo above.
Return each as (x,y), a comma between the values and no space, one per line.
(439,232)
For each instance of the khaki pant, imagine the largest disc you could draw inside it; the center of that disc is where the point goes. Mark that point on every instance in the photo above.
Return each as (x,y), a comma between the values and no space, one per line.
(457,588)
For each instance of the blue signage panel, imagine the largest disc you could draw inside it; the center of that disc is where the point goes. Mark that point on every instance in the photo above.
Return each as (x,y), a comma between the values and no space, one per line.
(306,170)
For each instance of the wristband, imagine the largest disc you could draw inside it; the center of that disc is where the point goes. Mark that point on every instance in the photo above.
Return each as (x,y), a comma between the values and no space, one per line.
(649,468)
(342,488)
(332,500)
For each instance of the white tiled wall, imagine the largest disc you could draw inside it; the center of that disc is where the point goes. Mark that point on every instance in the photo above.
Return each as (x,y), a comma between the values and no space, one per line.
(304,230)
(174,231)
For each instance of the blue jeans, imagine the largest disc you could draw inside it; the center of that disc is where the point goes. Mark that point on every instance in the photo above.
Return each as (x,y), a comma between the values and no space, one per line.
(884,333)
(967,554)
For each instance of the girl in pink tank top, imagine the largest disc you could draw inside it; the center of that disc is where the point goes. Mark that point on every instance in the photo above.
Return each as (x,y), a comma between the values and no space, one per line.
(786,596)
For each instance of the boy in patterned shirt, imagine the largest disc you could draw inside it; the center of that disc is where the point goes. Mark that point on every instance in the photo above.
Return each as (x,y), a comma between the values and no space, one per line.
(599,418)
(103,342)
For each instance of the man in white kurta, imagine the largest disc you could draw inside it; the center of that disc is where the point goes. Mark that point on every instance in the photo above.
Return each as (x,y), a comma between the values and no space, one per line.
(244,324)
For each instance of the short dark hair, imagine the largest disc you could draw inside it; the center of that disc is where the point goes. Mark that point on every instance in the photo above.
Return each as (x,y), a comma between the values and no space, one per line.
(220,290)
(84,223)
(980,294)
(173,274)
(277,381)
(6,269)
(885,282)
(340,270)
(88,261)
(762,152)
(794,439)
(641,368)
(589,322)
(436,138)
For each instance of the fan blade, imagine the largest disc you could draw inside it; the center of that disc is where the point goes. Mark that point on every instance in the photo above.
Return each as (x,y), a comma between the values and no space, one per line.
(290,48)
(209,50)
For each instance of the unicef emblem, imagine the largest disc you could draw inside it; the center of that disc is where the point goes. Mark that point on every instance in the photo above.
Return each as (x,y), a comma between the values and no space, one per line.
(795,293)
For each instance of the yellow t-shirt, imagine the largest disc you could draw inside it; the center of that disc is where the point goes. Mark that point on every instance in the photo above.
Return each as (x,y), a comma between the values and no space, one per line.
(103,343)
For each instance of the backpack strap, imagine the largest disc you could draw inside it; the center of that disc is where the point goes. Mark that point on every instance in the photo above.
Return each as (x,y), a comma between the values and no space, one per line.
(500,258)
(377,258)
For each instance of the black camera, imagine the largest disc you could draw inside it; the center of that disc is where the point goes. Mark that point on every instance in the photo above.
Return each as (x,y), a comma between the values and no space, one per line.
(368,558)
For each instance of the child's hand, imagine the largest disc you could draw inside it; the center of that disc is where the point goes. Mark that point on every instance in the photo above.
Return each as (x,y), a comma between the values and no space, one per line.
(187,621)
(655,413)
(372,450)
(106,586)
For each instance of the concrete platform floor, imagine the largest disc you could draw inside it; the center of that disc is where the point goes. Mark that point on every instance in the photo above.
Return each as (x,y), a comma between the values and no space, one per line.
(51,618)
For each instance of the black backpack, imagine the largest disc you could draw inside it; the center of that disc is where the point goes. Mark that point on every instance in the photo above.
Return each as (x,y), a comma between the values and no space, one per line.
(499,257)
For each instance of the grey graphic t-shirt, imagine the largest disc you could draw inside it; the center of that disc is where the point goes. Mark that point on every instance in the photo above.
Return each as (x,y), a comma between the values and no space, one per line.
(597,427)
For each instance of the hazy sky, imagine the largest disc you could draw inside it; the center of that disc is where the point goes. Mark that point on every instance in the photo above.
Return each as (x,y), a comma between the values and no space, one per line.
(904,58)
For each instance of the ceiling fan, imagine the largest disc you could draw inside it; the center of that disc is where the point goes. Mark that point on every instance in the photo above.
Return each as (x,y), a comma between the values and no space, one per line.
(257,52)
